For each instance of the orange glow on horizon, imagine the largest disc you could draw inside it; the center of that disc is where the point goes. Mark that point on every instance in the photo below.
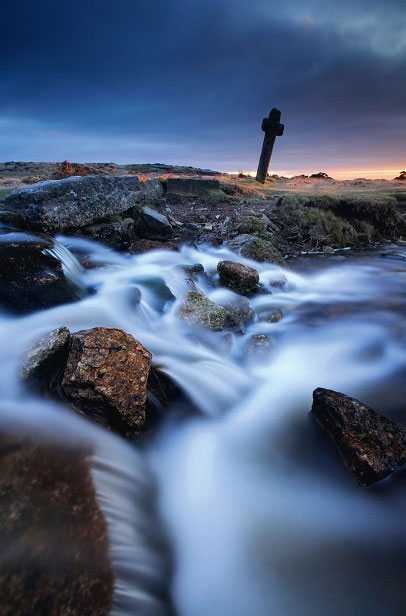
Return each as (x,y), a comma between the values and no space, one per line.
(340,173)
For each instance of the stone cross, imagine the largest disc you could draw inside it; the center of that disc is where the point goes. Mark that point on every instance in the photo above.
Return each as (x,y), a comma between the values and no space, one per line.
(272,128)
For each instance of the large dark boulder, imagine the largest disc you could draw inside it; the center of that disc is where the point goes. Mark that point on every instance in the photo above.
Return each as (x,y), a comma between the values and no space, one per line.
(106,377)
(371,445)
(32,276)
(58,206)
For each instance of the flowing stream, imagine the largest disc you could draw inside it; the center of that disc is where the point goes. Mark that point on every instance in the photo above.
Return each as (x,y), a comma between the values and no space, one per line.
(260,515)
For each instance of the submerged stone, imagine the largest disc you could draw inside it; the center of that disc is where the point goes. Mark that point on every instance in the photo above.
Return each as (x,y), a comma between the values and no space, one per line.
(259,347)
(238,313)
(371,445)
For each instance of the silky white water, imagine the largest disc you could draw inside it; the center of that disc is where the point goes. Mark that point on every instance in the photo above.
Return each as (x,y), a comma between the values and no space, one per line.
(260,515)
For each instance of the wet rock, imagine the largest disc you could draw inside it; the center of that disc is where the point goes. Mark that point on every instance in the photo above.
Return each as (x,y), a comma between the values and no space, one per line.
(55,551)
(152,225)
(58,206)
(193,271)
(106,378)
(117,234)
(259,347)
(191,186)
(238,277)
(197,309)
(46,360)
(30,277)
(371,445)
(257,249)
(238,313)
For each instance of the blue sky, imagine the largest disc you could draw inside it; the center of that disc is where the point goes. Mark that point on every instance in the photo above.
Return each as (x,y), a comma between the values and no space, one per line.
(188,81)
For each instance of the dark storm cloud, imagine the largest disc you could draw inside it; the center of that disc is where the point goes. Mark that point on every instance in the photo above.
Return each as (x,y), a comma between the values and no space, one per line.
(190,79)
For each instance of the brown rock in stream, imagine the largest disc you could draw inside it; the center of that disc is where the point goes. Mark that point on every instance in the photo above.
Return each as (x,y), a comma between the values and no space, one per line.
(371,445)
(106,378)
(238,277)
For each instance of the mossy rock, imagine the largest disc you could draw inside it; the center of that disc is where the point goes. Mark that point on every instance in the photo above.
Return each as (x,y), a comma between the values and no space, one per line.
(380,212)
(197,309)
(312,227)
(261,250)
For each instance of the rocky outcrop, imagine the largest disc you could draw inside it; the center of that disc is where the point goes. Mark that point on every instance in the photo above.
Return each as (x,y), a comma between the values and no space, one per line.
(55,555)
(31,277)
(371,445)
(46,359)
(238,277)
(106,378)
(197,309)
(64,205)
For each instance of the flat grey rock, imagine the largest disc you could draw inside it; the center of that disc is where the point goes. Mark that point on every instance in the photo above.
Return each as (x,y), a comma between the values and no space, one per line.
(69,204)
